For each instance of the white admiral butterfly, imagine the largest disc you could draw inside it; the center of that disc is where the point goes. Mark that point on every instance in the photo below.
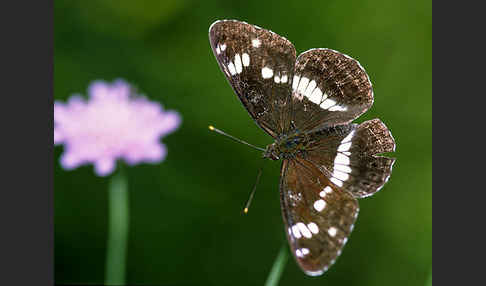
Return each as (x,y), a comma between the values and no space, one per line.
(306,104)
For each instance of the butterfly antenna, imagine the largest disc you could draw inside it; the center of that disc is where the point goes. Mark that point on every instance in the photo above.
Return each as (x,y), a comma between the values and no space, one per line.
(212,128)
(250,198)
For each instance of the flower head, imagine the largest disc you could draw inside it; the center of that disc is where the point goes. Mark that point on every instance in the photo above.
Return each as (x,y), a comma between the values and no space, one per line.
(114,123)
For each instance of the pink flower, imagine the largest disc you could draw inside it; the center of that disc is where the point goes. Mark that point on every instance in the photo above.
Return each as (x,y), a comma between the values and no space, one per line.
(114,123)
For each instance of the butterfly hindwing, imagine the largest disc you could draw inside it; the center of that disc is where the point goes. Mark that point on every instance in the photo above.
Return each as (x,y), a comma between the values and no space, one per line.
(318,216)
(259,65)
(329,88)
(348,156)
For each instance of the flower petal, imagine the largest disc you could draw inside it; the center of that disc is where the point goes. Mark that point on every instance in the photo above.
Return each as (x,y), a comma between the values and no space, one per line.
(76,102)
(98,89)
(104,166)
(69,160)
(120,89)
(156,153)
(60,111)
(170,122)
(58,138)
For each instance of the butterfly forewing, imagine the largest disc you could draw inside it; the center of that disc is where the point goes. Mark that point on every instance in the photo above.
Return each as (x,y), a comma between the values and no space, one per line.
(259,65)
(318,216)
(347,155)
(329,88)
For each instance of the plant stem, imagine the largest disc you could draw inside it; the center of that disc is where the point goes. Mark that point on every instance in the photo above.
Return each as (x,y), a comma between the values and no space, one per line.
(278,266)
(429,279)
(118,221)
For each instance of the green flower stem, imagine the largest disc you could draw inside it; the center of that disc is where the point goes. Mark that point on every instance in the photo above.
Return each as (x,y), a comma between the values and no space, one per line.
(278,266)
(118,221)
(429,279)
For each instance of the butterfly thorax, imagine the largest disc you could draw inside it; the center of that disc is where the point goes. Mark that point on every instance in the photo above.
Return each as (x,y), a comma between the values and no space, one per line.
(286,147)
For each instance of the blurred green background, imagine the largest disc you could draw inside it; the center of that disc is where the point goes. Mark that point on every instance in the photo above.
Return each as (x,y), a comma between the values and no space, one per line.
(186,225)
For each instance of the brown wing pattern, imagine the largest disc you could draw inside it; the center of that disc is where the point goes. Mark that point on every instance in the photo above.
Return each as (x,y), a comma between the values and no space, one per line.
(318,216)
(259,65)
(329,88)
(347,155)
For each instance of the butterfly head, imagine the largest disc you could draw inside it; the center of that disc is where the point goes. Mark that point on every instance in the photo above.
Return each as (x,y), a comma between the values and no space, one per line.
(272,152)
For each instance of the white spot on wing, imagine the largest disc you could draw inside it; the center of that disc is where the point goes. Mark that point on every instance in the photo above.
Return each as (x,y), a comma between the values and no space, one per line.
(313,228)
(223,47)
(299,253)
(239,67)
(310,89)
(328,190)
(256,43)
(332,231)
(276,78)
(316,96)
(218,51)
(296,232)
(232,68)
(324,96)
(303,85)
(304,230)
(340,175)
(267,72)
(327,103)
(319,205)
(344,147)
(295,82)
(305,251)
(343,168)
(341,159)
(284,79)
(349,137)
(338,108)
(336,182)
(246,59)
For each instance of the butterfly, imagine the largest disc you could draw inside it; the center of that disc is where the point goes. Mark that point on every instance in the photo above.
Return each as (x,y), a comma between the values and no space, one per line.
(306,104)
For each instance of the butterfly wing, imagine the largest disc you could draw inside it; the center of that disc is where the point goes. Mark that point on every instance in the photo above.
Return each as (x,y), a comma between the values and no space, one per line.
(348,156)
(259,66)
(319,188)
(318,216)
(329,88)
